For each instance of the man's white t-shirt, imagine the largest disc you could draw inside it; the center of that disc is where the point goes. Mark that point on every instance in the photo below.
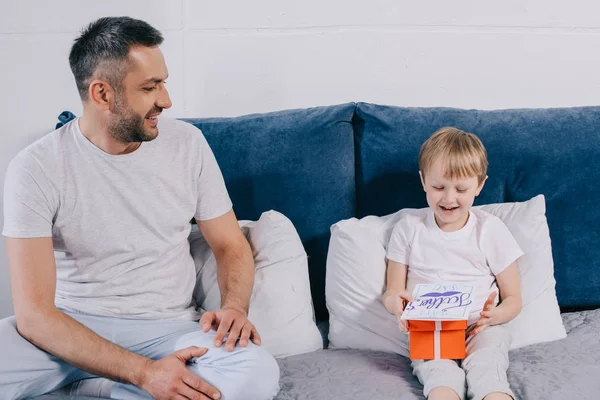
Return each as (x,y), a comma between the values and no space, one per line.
(119,223)
(474,254)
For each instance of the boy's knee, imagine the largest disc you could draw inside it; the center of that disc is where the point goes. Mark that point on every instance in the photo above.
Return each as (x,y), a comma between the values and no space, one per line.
(486,359)
(440,373)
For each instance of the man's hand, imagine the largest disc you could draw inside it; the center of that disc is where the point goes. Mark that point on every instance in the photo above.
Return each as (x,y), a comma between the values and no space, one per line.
(394,302)
(490,315)
(232,321)
(168,378)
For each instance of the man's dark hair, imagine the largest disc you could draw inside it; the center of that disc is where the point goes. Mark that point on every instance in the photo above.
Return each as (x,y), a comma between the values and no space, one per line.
(103,47)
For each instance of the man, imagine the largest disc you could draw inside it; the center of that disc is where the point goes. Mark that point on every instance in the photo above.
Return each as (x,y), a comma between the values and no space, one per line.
(96,223)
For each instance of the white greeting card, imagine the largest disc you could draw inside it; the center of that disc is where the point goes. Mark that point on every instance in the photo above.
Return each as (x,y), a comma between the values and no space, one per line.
(440,302)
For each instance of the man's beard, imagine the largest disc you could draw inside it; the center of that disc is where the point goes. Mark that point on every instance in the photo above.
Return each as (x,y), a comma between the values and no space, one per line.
(128,126)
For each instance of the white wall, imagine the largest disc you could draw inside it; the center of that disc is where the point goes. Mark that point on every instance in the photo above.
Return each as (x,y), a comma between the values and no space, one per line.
(236,57)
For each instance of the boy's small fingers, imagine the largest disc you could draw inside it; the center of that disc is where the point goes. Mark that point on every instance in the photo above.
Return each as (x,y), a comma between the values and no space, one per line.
(402,326)
(478,329)
(399,303)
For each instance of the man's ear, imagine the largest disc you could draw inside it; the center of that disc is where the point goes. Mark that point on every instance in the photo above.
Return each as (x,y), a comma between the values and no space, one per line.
(481,186)
(101,94)
(422,179)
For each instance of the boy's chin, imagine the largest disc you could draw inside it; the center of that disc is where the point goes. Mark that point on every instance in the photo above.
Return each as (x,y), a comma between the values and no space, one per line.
(456,218)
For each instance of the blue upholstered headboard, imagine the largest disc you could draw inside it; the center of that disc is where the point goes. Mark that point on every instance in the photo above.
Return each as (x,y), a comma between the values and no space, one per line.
(297,162)
(324,164)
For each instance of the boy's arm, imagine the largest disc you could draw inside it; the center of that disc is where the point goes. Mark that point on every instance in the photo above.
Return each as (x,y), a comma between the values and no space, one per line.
(509,284)
(395,287)
(511,302)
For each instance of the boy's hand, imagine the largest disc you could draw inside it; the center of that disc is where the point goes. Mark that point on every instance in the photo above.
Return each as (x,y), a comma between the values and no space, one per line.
(394,302)
(490,315)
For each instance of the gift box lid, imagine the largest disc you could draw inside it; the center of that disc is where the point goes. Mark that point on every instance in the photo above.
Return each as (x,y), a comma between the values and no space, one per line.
(421,326)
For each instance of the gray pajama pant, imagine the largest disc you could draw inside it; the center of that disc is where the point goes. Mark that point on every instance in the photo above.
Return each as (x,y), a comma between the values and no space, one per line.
(481,373)
(27,371)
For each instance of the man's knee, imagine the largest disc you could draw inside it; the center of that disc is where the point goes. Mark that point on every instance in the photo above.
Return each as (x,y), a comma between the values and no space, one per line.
(10,343)
(268,373)
(246,374)
(8,325)
(260,376)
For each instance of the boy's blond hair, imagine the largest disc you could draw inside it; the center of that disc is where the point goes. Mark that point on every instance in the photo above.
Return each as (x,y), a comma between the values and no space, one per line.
(462,153)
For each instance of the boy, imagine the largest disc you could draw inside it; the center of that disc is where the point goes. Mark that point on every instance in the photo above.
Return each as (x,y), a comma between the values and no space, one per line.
(449,242)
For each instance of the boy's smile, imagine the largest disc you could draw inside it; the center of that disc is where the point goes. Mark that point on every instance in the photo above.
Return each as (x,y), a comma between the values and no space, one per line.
(449,198)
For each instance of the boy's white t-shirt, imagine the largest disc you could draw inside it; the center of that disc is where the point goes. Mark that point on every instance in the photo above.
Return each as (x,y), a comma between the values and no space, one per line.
(474,254)
(120,223)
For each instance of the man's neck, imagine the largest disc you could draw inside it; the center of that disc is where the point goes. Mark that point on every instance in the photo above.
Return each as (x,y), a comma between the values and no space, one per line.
(96,132)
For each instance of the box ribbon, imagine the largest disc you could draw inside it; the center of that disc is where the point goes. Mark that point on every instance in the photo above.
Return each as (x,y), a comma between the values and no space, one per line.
(436,340)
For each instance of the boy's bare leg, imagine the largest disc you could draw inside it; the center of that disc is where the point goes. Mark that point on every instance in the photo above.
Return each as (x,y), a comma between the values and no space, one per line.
(497,396)
(444,393)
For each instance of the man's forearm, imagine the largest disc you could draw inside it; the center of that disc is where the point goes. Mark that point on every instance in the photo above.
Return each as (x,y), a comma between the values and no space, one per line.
(69,340)
(235,273)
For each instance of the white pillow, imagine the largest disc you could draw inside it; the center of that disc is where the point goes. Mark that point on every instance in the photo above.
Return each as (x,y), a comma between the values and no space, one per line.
(356,268)
(281,304)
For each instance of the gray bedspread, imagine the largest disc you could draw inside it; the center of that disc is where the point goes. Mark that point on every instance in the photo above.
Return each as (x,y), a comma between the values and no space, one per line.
(565,369)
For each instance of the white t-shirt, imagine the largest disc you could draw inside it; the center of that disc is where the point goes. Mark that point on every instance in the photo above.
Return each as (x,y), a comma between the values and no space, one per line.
(119,223)
(474,254)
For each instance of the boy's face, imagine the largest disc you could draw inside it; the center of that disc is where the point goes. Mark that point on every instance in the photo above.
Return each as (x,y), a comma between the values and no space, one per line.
(450,199)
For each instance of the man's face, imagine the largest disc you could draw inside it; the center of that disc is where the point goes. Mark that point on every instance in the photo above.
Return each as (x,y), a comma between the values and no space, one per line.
(142,97)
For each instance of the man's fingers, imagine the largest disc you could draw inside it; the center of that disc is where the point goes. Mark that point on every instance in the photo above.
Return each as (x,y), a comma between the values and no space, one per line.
(245,335)
(187,393)
(190,352)
(234,334)
(200,386)
(256,339)
(222,330)
(207,320)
